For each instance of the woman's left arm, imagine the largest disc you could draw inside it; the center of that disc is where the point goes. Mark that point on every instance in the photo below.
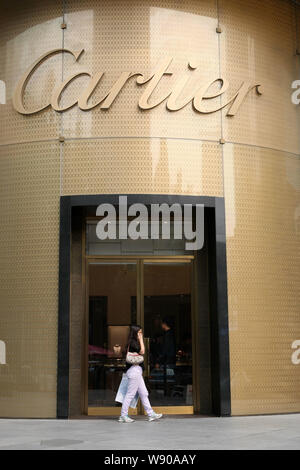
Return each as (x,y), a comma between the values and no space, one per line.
(141,340)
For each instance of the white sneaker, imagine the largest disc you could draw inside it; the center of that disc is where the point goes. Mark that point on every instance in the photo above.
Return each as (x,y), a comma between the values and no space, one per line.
(154,416)
(125,419)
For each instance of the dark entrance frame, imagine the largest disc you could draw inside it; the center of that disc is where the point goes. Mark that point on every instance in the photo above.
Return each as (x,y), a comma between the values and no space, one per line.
(215,215)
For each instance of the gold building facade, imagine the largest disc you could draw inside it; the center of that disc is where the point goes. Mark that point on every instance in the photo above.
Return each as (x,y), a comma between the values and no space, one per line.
(251,159)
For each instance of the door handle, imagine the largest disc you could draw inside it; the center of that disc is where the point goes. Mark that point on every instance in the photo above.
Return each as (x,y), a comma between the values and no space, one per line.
(147,356)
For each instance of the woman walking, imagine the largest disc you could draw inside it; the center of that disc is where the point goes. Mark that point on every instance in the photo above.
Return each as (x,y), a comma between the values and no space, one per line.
(135,367)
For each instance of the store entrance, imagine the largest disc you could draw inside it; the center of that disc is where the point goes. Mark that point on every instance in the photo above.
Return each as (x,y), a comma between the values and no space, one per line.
(156,293)
(106,284)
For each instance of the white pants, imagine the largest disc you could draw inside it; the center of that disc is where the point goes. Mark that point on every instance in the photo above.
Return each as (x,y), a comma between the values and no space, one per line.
(136,384)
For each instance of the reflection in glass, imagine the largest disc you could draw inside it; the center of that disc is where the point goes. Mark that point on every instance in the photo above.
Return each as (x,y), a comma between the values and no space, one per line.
(112,308)
(167,319)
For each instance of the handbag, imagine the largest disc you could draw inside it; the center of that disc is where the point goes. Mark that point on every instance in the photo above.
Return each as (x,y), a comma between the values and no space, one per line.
(134,358)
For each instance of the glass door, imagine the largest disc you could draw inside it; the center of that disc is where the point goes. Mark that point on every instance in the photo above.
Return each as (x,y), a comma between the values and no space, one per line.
(167,321)
(112,291)
(155,293)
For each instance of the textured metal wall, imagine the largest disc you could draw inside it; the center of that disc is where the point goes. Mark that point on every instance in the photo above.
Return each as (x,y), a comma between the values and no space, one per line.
(29,202)
(29,212)
(262,199)
(263,263)
(129,150)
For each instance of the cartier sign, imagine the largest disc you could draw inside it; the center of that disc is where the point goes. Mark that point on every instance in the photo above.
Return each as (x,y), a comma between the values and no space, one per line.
(173,100)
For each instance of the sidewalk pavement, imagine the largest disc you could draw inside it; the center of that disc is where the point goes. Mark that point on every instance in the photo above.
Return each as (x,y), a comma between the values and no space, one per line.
(251,432)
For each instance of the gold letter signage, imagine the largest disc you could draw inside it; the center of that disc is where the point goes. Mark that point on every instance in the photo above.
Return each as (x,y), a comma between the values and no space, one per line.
(197,98)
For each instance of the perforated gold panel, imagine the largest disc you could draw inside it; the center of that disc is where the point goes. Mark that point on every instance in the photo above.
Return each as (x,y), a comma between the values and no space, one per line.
(134,36)
(162,166)
(28,30)
(262,196)
(29,208)
(258,43)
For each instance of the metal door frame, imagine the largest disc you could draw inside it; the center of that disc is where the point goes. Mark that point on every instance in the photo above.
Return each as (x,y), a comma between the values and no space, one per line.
(215,209)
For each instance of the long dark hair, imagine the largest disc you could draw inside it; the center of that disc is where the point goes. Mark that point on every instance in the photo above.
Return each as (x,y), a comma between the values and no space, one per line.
(133,341)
